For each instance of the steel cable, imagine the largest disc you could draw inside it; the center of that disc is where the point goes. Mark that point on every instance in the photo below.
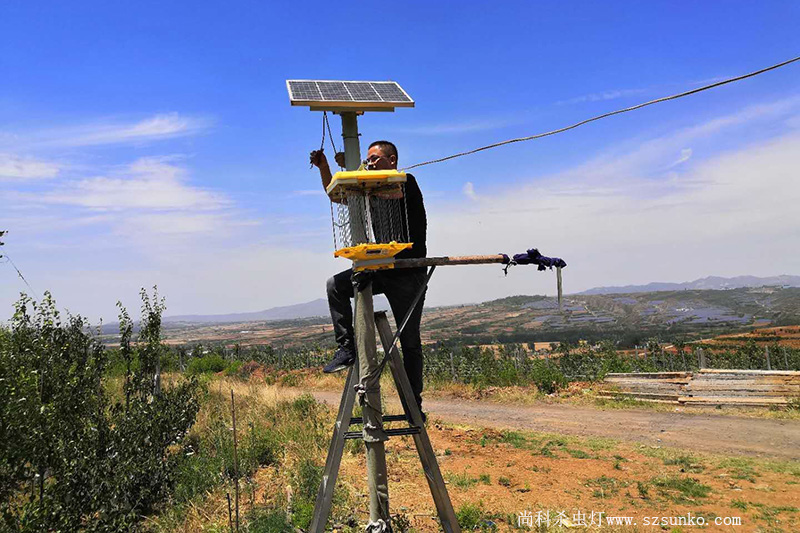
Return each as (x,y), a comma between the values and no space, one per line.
(605,115)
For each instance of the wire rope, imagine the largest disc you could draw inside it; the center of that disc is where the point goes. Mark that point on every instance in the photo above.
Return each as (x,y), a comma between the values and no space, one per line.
(609,114)
(11,261)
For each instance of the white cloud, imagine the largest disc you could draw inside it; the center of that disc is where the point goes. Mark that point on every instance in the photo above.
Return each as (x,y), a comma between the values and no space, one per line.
(686,154)
(615,224)
(158,127)
(602,96)
(110,132)
(148,183)
(469,191)
(13,167)
(181,223)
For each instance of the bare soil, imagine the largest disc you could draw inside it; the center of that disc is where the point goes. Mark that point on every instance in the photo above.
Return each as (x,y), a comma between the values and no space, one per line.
(699,432)
(577,461)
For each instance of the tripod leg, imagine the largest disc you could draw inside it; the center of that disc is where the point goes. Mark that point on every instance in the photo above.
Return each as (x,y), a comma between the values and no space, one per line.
(428,459)
(322,507)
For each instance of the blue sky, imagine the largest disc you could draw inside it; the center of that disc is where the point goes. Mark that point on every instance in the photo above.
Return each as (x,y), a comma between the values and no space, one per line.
(153,143)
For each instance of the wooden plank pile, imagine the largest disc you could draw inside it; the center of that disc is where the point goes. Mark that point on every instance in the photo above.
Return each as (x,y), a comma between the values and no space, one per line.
(707,387)
(663,387)
(742,387)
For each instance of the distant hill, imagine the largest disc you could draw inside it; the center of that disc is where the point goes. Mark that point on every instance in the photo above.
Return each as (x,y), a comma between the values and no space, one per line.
(626,318)
(708,283)
(318,307)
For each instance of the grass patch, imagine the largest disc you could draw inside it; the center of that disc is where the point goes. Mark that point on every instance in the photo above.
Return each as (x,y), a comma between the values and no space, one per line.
(770,513)
(462,480)
(605,487)
(680,489)
(504,481)
(783,467)
(547,449)
(578,454)
(485,479)
(597,444)
(688,463)
(739,504)
(623,402)
(263,520)
(514,438)
(472,517)
(644,490)
(740,468)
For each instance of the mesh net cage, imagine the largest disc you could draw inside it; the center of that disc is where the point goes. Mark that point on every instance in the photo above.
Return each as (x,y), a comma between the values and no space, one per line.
(369,215)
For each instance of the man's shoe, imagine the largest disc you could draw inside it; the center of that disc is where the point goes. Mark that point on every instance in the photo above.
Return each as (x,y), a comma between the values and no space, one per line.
(343,358)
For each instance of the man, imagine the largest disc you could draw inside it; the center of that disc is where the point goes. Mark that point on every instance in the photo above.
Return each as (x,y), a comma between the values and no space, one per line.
(399,285)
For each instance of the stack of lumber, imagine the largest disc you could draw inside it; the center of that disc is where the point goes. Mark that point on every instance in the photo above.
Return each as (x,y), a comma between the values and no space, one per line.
(707,387)
(665,387)
(742,387)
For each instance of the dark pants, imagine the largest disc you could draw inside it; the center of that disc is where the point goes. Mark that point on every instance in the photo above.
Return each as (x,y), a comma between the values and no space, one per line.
(400,287)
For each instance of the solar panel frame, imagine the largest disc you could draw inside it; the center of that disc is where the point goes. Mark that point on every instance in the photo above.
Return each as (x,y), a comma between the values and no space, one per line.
(340,95)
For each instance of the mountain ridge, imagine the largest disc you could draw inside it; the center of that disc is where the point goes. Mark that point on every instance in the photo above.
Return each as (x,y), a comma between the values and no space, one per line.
(319,307)
(707,283)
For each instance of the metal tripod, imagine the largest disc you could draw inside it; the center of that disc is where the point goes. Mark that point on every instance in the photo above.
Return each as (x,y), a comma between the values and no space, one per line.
(416,428)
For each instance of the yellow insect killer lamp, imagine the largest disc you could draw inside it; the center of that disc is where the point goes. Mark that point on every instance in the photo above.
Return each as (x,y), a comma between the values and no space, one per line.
(369,217)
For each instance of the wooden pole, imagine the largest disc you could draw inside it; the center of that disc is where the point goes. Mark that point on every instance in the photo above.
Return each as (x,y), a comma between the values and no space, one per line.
(366,347)
(230,513)
(369,384)
(559,288)
(701,358)
(449,261)
(235,462)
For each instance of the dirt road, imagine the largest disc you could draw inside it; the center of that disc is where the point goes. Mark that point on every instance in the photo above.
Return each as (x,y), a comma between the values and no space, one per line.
(701,432)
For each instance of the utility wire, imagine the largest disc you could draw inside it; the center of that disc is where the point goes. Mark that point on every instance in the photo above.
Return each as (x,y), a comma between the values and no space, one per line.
(9,260)
(605,115)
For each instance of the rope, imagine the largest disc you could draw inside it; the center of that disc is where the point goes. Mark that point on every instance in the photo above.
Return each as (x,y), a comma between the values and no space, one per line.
(605,115)
(326,125)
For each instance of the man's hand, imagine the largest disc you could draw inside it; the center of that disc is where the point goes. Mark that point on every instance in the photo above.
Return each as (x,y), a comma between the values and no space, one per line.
(317,159)
(339,157)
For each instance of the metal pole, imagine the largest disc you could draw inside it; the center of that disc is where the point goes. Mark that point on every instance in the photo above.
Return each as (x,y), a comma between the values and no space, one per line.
(369,383)
(352,148)
(358,207)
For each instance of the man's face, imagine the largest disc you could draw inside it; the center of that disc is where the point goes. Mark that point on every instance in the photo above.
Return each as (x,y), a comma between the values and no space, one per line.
(377,160)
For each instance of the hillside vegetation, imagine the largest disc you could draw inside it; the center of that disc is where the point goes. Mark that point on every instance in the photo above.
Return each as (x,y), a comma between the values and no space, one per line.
(627,319)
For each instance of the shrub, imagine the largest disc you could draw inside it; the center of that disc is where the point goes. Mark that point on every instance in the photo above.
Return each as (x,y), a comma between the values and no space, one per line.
(209,363)
(95,463)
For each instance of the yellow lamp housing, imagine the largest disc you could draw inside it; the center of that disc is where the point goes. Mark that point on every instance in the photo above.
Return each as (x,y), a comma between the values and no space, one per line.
(369,217)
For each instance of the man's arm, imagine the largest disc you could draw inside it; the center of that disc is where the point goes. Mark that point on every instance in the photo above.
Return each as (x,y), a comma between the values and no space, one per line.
(319,160)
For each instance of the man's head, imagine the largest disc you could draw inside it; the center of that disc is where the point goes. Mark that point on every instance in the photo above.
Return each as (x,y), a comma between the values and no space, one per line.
(382,155)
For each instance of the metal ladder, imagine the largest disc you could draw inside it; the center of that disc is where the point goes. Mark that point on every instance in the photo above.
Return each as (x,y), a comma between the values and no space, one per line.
(416,428)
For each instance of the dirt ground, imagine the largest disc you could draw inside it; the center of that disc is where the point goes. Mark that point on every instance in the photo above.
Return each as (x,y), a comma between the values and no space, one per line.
(503,474)
(680,429)
(785,336)
(500,461)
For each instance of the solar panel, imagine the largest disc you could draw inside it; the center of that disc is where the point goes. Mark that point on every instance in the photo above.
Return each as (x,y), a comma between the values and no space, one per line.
(348,95)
